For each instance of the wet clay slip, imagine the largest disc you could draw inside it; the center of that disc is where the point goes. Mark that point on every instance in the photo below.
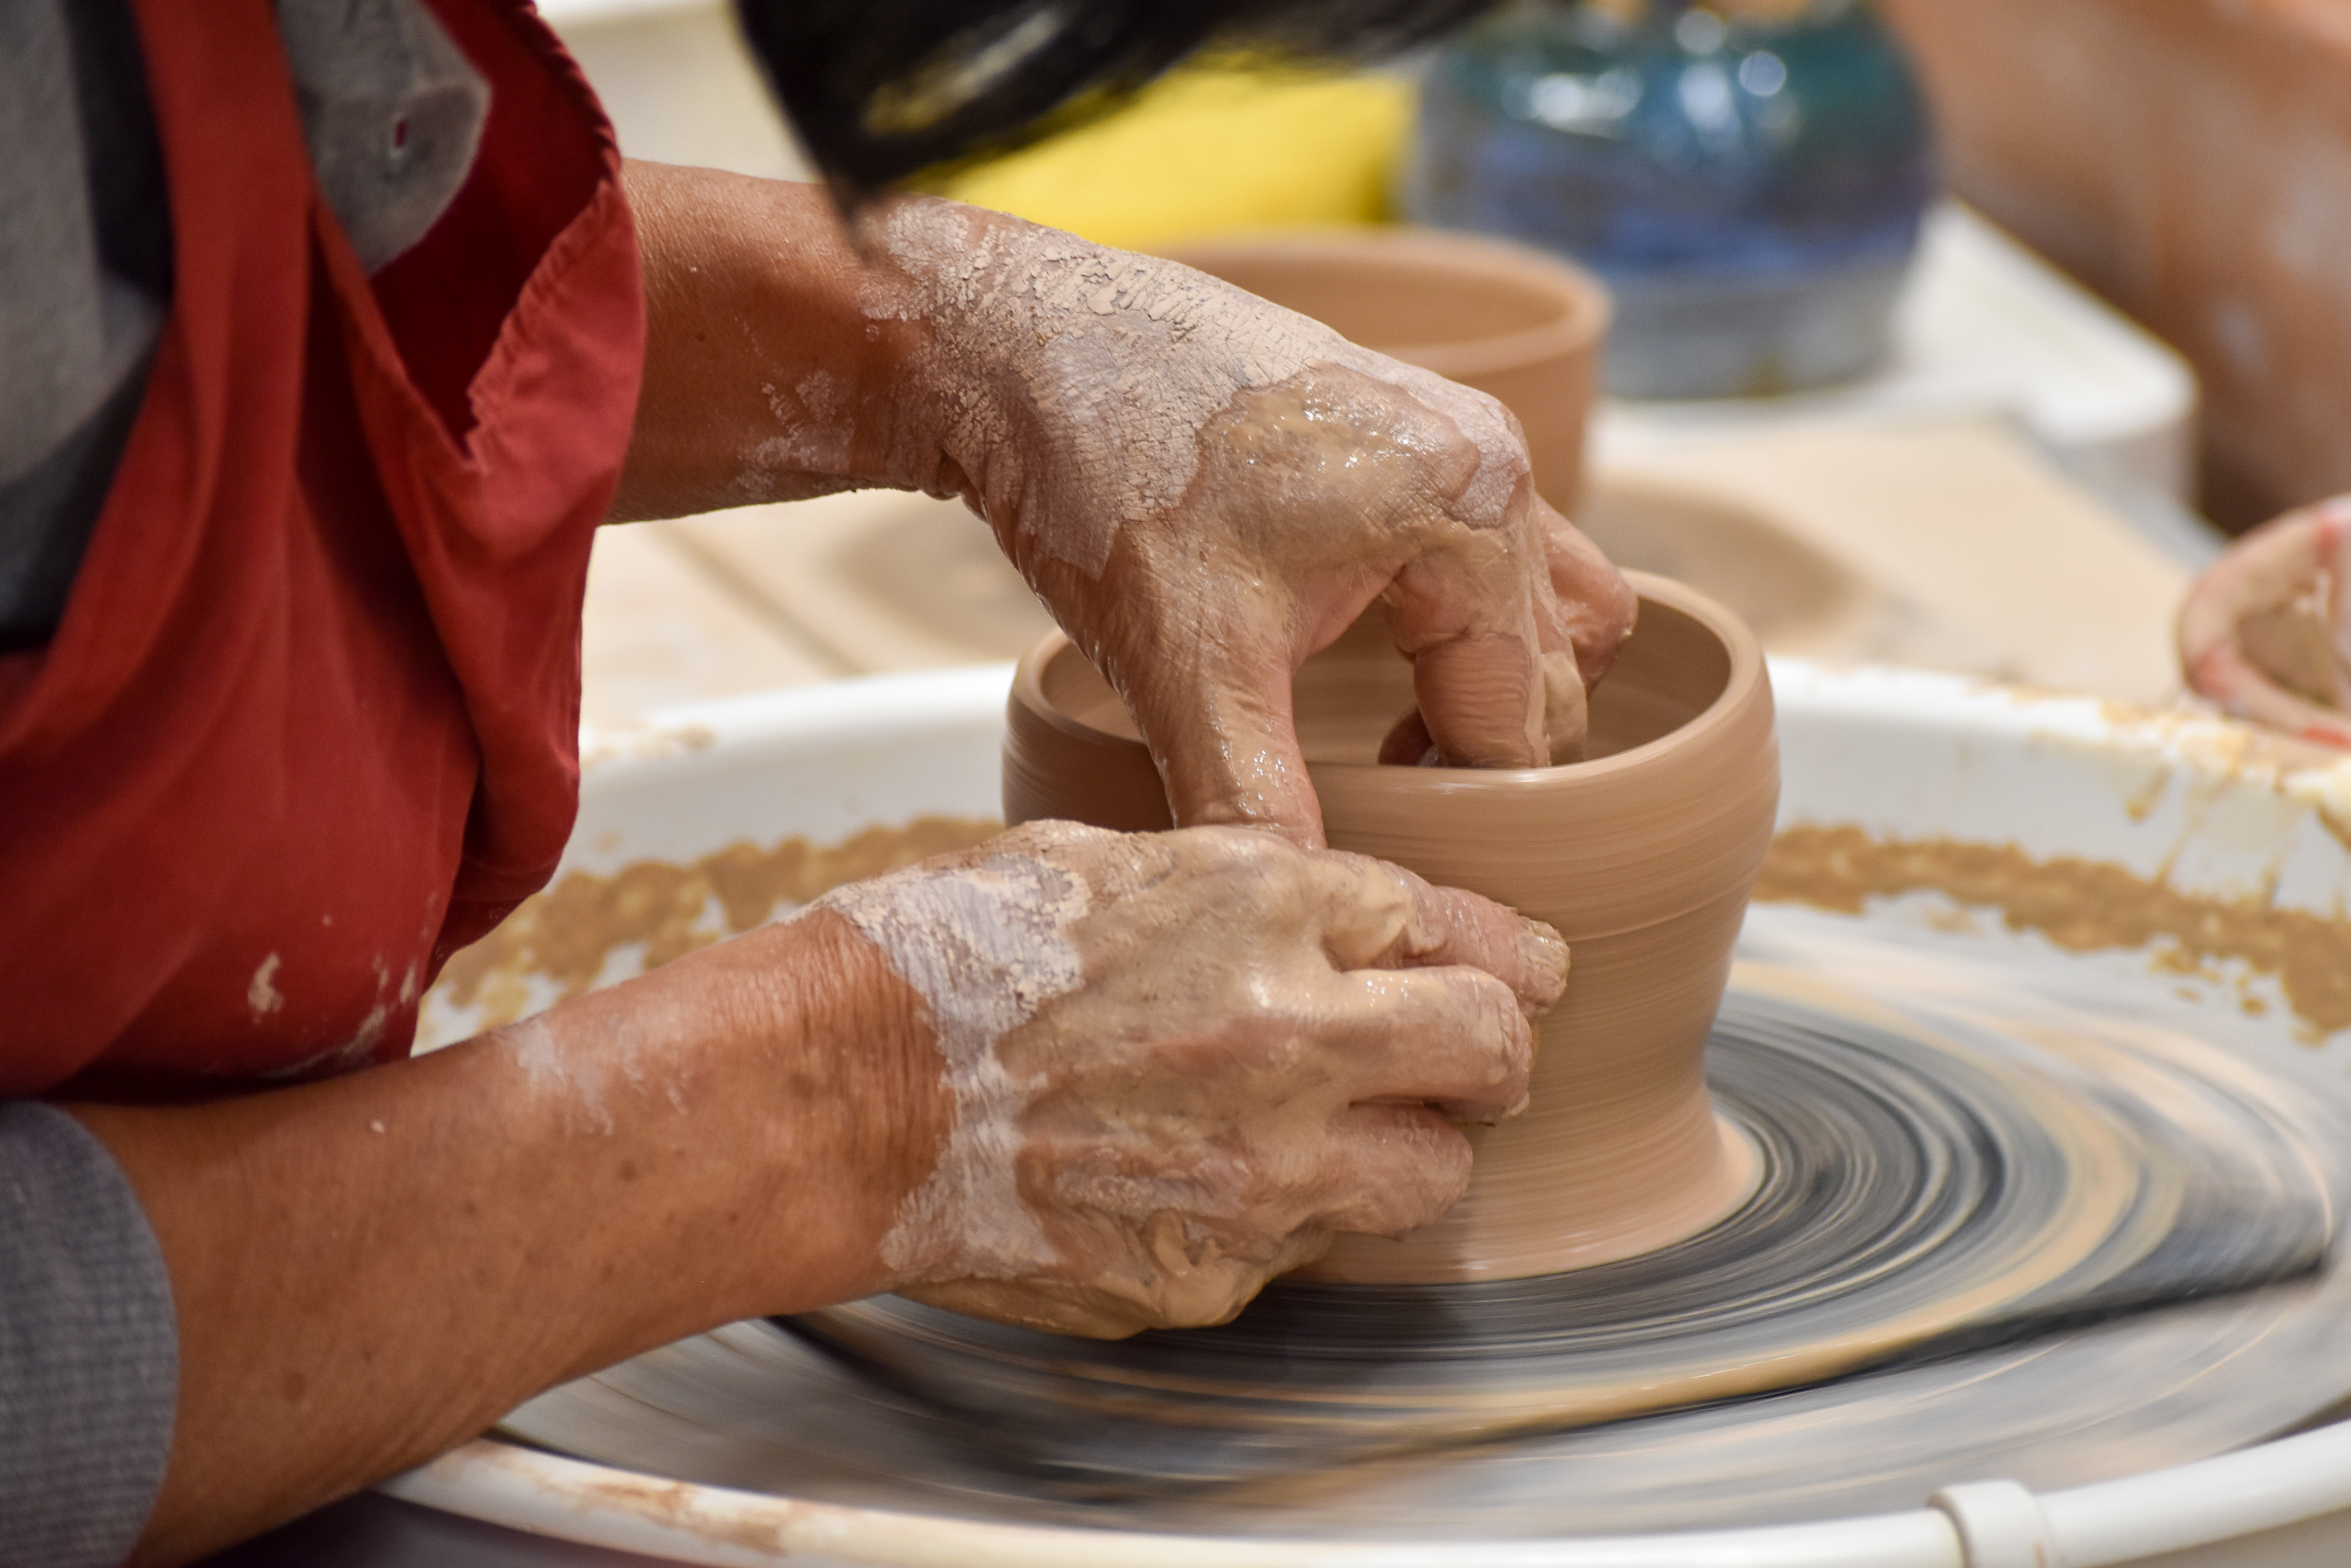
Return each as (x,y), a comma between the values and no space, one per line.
(1523,327)
(1642,856)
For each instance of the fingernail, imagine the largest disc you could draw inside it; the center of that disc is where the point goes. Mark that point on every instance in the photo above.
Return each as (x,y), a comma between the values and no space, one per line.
(1544,953)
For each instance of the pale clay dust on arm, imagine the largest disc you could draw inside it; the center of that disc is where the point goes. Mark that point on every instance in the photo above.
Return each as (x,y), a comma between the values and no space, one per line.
(986,945)
(579,1073)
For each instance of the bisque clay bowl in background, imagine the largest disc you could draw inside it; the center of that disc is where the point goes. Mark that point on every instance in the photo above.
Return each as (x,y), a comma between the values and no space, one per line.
(1643,857)
(1520,326)
(2265,631)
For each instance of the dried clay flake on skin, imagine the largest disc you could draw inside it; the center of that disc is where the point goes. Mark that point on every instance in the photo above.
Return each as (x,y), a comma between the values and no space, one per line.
(986,945)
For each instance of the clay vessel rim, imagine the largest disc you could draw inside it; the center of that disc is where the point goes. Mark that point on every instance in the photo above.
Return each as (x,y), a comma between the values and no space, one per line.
(1747,670)
(1586,306)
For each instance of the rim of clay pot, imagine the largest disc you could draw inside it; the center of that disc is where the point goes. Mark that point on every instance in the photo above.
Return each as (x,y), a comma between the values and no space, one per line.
(1747,670)
(1724,726)
(2266,569)
(1584,306)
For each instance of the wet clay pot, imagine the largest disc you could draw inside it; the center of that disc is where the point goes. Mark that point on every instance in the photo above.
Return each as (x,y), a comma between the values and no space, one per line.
(1523,327)
(1642,856)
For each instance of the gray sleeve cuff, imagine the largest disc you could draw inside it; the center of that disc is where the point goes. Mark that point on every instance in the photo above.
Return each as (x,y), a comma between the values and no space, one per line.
(89,1355)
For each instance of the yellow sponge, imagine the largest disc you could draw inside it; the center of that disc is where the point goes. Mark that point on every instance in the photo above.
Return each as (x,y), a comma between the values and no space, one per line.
(1206,149)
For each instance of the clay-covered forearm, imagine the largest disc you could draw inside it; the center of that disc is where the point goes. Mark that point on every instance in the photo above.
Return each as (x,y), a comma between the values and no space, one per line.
(774,365)
(369,1270)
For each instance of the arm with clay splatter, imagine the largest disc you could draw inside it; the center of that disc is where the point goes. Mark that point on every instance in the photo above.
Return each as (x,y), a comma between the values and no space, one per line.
(371,1269)
(1204,487)
(1094,1080)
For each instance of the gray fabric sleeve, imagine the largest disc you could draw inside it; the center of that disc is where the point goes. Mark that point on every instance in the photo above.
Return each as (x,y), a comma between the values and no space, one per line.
(71,330)
(89,1356)
(393,112)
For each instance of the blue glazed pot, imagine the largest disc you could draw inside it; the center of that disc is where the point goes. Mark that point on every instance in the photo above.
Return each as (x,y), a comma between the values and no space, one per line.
(1750,185)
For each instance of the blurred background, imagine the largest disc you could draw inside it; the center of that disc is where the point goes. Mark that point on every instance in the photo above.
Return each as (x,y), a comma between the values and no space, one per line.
(1951,332)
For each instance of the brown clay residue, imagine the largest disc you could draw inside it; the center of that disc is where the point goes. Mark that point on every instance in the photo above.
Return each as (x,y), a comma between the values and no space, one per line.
(2082,905)
(567,933)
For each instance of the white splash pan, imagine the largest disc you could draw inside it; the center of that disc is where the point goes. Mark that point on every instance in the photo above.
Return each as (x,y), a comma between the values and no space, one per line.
(2202,804)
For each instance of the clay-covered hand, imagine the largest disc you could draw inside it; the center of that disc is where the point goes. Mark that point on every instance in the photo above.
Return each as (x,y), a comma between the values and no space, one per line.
(1206,489)
(1181,1062)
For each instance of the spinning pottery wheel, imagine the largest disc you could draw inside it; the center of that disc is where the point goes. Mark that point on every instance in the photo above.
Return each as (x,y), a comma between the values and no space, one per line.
(1929,1182)
(1468,1409)
(1948,831)
(1864,1184)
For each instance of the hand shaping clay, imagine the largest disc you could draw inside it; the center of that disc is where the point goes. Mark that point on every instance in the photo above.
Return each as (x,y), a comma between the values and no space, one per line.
(1182,1061)
(1642,856)
(1171,463)
(2266,630)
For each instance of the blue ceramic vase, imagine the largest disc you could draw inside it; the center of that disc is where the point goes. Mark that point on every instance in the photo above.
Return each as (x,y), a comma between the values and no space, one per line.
(1748,180)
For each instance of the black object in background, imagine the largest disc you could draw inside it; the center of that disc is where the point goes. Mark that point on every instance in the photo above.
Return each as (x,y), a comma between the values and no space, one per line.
(881,88)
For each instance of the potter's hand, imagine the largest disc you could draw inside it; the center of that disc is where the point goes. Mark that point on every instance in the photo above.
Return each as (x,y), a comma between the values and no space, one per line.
(1180,1062)
(1206,488)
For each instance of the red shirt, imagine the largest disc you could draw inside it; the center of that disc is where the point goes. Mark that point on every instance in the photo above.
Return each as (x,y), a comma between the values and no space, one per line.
(310,722)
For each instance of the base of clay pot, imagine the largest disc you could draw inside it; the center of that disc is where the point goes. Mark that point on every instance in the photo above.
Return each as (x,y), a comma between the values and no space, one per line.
(1514,1232)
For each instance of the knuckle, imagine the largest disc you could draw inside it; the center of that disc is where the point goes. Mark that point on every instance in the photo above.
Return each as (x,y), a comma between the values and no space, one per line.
(1506,1021)
(1289,1049)
(1360,883)
(1518,1056)
(1493,1027)
(1506,451)
(1418,1186)
(1242,849)
(1474,1000)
